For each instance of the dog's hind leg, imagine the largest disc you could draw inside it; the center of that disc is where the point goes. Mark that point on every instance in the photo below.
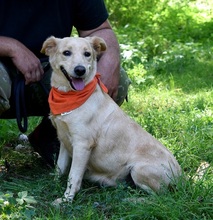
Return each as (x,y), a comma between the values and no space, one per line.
(147,177)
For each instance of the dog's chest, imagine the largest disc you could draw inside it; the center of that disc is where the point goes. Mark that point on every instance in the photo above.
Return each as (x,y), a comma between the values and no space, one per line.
(70,124)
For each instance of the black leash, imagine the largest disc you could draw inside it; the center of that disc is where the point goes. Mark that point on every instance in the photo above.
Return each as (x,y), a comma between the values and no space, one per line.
(20,106)
(21,112)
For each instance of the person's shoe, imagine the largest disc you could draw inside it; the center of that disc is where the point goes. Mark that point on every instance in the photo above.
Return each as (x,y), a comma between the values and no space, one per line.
(45,142)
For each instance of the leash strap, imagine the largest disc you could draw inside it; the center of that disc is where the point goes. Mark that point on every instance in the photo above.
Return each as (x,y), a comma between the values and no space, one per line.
(21,112)
(20,106)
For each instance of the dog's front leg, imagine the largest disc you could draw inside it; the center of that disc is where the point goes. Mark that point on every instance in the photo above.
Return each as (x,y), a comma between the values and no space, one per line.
(80,159)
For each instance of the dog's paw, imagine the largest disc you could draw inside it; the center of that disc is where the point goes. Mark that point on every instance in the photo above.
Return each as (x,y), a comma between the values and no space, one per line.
(60,201)
(56,203)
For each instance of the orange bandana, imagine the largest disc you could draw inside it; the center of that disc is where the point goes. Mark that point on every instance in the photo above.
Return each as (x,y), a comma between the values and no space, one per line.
(61,102)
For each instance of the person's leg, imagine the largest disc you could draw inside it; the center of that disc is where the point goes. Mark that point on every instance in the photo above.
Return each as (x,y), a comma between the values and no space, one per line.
(123,87)
(44,137)
(45,142)
(5,89)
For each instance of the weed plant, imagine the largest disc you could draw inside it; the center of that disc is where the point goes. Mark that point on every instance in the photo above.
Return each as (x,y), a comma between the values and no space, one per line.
(167,50)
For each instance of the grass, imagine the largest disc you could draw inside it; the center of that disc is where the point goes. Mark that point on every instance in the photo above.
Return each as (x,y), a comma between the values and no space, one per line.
(170,97)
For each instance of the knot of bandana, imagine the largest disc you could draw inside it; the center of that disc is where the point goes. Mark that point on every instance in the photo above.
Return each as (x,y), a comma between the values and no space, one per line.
(61,102)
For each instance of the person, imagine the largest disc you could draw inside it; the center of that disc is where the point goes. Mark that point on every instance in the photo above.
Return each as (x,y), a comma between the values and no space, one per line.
(24,26)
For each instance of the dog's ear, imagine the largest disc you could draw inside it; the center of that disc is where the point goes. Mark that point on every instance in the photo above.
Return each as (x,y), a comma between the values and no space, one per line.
(98,44)
(49,46)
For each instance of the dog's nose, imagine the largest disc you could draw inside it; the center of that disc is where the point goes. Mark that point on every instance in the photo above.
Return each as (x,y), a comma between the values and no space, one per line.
(80,70)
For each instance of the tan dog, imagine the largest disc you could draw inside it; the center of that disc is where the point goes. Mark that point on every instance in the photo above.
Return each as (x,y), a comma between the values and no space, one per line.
(102,142)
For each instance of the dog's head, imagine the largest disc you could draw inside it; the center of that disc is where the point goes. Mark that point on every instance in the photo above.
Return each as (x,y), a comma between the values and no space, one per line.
(73,59)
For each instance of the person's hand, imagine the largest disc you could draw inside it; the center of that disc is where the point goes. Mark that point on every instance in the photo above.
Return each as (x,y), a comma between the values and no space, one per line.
(25,61)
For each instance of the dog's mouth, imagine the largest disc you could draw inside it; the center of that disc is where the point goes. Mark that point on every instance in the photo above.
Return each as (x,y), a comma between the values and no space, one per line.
(76,83)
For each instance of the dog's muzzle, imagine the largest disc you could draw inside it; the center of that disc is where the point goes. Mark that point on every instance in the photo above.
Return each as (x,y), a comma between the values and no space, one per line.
(75,83)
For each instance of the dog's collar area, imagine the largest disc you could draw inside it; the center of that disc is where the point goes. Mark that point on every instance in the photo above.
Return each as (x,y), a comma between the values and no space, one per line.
(64,102)
(66,113)
(63,70)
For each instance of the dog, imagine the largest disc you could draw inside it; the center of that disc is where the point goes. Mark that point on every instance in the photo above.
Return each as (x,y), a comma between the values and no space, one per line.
(98,141)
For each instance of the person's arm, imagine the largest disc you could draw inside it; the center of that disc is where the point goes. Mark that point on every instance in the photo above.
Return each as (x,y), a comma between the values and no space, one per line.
(109,62)
(25,61)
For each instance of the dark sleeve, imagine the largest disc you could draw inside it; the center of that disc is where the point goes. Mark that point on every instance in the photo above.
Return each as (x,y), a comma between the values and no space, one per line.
(89,14)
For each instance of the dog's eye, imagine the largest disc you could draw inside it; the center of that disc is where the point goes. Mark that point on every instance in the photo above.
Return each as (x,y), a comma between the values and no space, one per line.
(67,53)
(87,54)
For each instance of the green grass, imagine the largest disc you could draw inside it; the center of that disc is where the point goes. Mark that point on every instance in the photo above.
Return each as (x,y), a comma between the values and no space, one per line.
(171,96)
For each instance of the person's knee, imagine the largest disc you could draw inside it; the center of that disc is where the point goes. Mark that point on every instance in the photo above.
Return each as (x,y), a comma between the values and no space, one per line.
(5,89)
(123,87)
